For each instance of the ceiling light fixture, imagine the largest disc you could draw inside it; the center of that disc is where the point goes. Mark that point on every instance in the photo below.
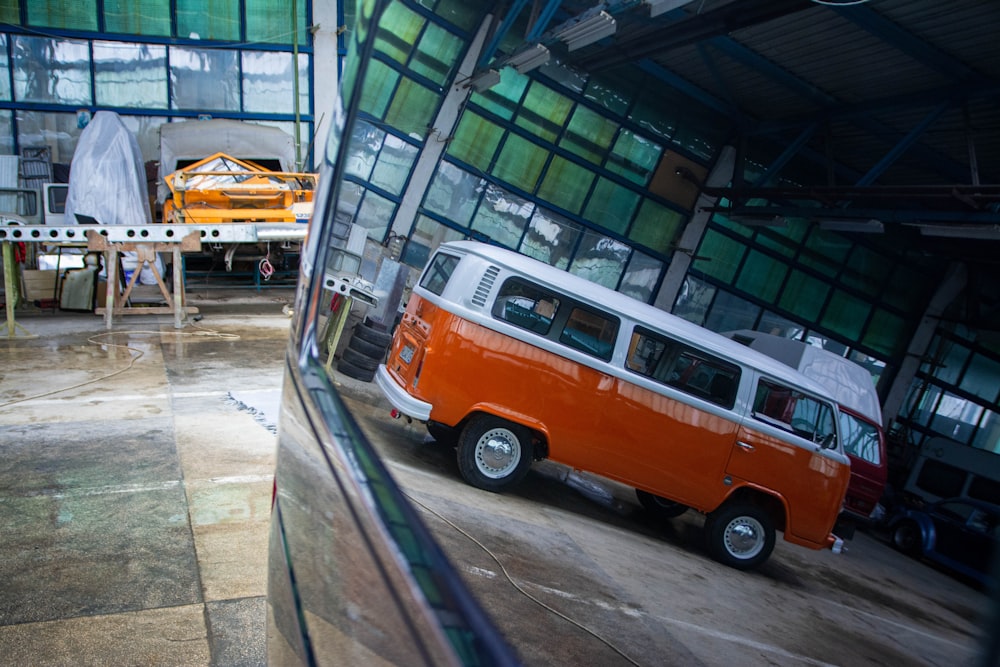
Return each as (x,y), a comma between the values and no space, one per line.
(871,226)
(483,80)
(528,59)
(962,231)
(585,30)
(657,7)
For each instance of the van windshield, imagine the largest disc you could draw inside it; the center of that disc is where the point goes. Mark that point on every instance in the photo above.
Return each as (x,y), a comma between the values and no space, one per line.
(860,438)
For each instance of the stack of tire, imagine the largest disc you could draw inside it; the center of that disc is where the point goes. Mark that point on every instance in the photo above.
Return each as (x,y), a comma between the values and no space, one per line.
(365,351)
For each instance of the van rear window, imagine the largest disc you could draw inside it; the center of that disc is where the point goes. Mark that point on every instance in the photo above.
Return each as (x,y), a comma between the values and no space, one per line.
(438,272)
(683,367)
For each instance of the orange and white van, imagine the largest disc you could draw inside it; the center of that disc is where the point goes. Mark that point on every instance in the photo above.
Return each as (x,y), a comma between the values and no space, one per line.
(528,362)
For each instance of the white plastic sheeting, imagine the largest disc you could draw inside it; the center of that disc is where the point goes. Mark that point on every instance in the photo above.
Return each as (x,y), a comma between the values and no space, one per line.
(107,179)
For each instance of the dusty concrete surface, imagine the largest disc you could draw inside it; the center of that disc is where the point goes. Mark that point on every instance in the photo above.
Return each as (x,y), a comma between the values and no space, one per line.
(135,508)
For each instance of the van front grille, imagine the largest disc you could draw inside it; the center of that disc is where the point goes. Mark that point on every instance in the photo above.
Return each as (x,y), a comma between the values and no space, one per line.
(485,285)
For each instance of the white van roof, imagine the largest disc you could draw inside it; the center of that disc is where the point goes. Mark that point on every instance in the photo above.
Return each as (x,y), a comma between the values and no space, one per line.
(849,382)
(643,313)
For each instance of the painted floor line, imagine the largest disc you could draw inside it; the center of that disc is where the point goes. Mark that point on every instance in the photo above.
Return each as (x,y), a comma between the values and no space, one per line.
(98,490)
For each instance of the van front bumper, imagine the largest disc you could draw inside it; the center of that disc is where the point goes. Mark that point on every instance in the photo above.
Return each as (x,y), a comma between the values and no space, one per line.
(406,404)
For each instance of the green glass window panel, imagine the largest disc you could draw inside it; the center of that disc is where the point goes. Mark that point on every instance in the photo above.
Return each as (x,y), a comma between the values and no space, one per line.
(520,163)
(270,21)
(946,360)
(866,270)
(730,312)
(426,236)
(475,141)
(634,157)
(886,333)
(694,299)
(504,98)
(204,79)
(719,256)
(10,12)
(453,193)
(394,164)
(130,75)
(55,71)
(209,19)
(804,296)
(375,214)
(907,289)
(544,112)
(77,15)
(656,227)
(5,89)
(641,277)
(366,142)
(566,184)
(825,251)
(550,238)
(380,83)
(437,54)
(761,276)
(58,131)
(726,222)
(982,378)
(988,435)
(503,216)
(137,17)
(615,93)
(398,31)
(600,259)
(6,132)
(268,78)
(774,240)
(588,134)
(654,112)
(700,134)
(413,108)
(846,315)
(611,206)
(465,14)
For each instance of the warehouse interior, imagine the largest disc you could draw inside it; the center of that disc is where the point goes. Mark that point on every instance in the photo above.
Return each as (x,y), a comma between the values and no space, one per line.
(826,170)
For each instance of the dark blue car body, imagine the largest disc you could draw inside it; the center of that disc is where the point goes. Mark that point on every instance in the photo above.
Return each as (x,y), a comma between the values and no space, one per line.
(959,534)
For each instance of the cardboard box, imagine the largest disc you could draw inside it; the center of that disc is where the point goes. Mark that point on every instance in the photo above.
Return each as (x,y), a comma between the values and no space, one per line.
(39,284)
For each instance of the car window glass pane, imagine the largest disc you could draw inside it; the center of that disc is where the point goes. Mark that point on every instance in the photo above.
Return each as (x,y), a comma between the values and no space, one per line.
(793,411)
(682,367)
(526,305)
(438,272)
(590,332)
(860,438)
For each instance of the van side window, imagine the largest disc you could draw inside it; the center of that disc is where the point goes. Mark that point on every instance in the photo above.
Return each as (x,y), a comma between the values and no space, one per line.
(793,411)
(526,305)
(682,367)
(590,332)
(438,272)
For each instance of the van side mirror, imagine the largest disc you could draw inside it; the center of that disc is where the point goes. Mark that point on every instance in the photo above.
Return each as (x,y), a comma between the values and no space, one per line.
(829,441)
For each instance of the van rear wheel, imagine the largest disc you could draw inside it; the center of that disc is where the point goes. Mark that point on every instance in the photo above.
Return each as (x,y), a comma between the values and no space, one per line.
(740,535)
(493,453)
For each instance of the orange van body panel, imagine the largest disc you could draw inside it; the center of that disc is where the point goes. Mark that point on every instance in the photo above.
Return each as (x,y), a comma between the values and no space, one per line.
(599,423)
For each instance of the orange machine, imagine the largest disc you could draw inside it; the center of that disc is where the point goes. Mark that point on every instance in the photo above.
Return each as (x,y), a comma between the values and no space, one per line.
(221,188)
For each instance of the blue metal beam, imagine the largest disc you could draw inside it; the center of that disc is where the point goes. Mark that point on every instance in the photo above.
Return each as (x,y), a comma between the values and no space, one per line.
(786,155)
(902,146)
(691,90)
(542,22)
(508,21)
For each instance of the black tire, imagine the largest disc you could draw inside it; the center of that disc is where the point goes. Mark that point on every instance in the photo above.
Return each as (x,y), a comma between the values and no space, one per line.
(380,338)
(352,371)
(907,537)
(660,507)
(740,535)
(355,358)
(368,349)
(493,453)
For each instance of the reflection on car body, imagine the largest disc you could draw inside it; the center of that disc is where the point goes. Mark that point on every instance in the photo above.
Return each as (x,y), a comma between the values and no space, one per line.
(959,534)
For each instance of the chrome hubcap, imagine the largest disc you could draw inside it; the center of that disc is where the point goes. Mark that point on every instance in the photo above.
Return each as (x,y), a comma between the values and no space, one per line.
(497,453)
(744,537)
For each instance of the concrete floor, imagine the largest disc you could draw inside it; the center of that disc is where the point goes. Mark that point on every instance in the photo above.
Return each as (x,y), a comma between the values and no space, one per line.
(134,515)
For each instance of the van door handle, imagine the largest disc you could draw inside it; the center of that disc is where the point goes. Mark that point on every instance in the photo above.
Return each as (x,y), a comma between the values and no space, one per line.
(744,445)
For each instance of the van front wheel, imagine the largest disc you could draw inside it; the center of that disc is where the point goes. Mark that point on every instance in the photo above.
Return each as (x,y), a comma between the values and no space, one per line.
(494,454)
(740,535)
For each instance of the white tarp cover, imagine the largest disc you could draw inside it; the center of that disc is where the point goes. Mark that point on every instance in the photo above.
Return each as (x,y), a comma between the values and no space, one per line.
(849,383)
(194,140)
(107,178)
